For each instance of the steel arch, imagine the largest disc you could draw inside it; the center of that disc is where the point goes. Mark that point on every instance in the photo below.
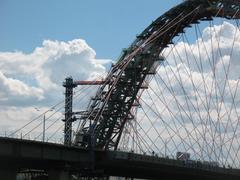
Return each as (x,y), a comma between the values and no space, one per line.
(110,108)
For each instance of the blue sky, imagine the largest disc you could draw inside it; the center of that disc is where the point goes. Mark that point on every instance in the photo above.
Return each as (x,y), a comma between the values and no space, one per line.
(34,78)
(106,25)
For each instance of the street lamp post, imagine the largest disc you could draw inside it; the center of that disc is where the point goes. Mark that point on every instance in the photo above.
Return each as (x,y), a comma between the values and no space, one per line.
(44,122)
(165,145)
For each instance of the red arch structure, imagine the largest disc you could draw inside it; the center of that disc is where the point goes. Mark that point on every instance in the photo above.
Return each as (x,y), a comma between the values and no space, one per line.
(111,107)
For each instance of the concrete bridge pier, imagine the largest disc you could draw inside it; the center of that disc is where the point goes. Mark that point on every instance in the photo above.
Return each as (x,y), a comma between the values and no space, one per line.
(58,175)
(8,174)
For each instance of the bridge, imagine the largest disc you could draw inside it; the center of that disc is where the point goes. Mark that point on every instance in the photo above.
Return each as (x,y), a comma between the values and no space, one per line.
(168,108)
(61,161)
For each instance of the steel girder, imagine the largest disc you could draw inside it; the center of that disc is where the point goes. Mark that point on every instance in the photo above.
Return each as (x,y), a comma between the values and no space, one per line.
(111,107)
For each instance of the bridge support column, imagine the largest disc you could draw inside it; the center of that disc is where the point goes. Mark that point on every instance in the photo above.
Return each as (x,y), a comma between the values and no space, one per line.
(8,174)
(58,175)
(69,85)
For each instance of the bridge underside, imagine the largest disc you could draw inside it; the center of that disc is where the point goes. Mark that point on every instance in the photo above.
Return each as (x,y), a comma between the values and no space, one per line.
(18,155)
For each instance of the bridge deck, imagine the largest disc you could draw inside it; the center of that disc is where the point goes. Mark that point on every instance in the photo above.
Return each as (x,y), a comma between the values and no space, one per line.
(18,154)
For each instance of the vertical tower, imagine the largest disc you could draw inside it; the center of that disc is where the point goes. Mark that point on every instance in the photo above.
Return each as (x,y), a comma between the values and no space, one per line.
(69,85)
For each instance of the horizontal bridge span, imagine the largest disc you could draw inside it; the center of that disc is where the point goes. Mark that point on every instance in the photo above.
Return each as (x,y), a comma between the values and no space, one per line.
(18,154)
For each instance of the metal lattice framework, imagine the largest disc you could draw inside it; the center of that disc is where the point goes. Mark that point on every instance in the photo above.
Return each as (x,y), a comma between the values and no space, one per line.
(115,102)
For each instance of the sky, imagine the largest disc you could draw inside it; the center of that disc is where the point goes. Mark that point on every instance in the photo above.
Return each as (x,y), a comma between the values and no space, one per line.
(107,26)
(43,42)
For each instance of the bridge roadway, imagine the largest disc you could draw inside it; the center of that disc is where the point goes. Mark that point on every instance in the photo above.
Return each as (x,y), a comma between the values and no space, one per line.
(60,161)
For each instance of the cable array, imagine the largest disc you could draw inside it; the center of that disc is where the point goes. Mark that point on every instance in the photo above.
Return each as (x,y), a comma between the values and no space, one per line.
(33,129)
(192,102)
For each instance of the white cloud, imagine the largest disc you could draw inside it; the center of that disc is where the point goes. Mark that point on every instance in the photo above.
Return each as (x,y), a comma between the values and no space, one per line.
(197,96)
(28,80)
(19,90)
(42,72)
(35,79)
